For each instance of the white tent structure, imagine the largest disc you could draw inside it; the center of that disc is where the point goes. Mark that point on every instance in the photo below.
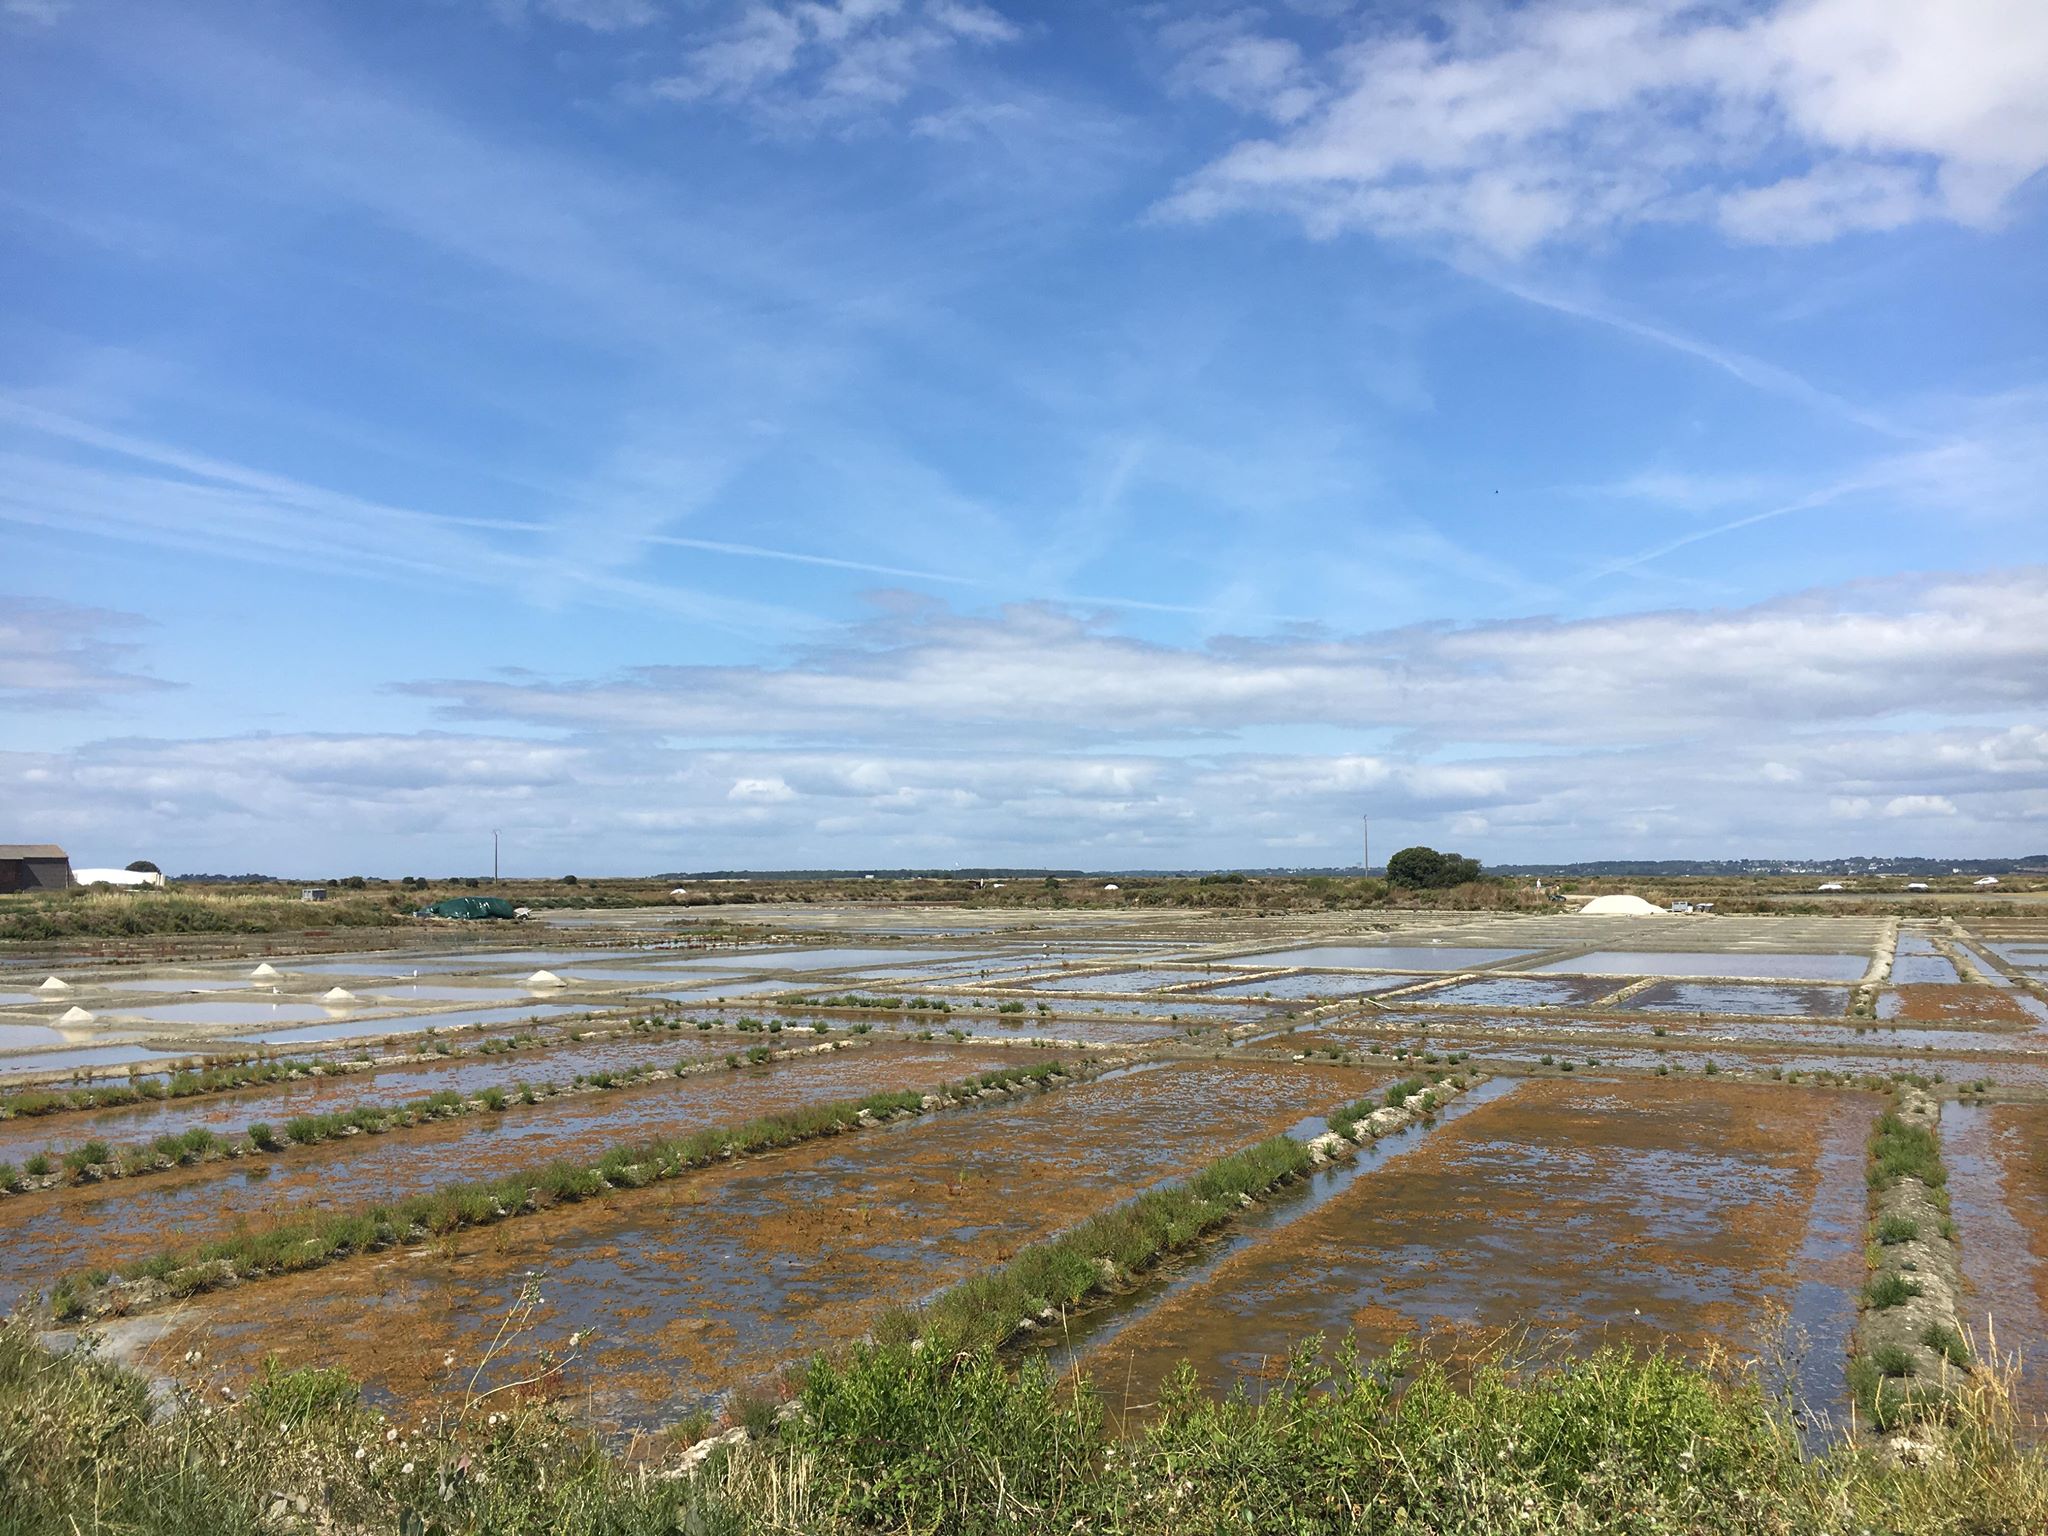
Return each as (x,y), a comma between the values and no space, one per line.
(116,877)
(1620,906)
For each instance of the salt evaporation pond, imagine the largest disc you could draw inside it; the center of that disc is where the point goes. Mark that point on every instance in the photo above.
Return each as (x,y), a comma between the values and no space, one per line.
(1295,988)
(92,1056)
(1916,969)
(1737,998)
(375,1026)
(1122,981)
(1623,962)
(228,1013)
(1414,957)
(415,992)
(1516,992)
(173,984)
(837,959)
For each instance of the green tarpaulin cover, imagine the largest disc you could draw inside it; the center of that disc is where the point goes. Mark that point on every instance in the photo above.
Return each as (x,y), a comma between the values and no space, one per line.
(470,907)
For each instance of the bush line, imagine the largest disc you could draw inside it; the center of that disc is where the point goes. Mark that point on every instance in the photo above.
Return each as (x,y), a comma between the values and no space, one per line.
(291,1246)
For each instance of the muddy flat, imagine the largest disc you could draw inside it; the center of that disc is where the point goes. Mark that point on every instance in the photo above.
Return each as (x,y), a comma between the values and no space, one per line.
(1638,1212)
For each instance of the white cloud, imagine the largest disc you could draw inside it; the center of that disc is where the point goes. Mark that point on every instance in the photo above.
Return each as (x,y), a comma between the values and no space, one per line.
(426,803)
(1509,128)
(1939,646)
(1903,807)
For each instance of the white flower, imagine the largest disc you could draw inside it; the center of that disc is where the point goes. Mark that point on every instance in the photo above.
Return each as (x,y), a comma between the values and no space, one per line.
(406,1468)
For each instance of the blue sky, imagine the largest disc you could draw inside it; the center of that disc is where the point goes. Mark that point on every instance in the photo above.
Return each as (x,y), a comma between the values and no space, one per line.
(687,433)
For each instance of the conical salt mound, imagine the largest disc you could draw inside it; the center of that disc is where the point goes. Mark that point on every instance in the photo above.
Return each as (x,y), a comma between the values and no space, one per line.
(545,979)
(75,1016)
(264,972)
(337,995)
(54,984)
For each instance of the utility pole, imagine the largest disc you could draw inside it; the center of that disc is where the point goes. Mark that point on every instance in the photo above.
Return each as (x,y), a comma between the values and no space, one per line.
(1365,867)
(494,855)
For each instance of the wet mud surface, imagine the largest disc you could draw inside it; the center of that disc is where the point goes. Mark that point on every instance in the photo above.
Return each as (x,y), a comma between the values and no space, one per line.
(1984,1007)
(45,1234)
(1638,1212)
(686,1289)
(1997,1157)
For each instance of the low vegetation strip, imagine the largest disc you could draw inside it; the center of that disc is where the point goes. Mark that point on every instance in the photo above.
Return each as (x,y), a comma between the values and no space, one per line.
(901,1440)
(1103,1252)
(94,1161)
(181,1083)
(1911,1359)
(290,1246)
(191,1080)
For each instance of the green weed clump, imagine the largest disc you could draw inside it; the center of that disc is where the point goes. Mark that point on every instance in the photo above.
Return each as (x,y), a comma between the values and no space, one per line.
(1901,1151)
(1947,1342)
(1895,1229)
(1890,1289)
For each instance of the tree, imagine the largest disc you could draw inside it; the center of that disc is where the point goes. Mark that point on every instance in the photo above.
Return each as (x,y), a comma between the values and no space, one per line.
(1424,869)
(144,867)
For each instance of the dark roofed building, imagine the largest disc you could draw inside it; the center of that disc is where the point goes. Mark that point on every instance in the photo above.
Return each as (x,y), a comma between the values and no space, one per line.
(34,867)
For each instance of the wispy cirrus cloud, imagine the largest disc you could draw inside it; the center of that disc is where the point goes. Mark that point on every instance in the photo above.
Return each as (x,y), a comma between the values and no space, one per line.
(56,655)
(826,61)
(1511,128)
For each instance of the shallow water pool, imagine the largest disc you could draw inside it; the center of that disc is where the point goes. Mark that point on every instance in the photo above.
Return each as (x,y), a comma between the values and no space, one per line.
(1390,957)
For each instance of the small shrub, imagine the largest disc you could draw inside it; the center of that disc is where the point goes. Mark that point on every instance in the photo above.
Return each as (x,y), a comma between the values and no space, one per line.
(281,1399)
(1891,1361)
(1893,1230)
(36,1165)
(1947,1343)
(91,1155)
(1890,1290)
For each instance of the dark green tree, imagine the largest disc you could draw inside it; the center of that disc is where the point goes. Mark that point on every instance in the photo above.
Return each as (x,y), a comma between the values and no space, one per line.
(1424,869)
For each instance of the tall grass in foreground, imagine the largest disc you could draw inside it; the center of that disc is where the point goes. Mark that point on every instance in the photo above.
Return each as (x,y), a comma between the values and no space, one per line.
(900,1440)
